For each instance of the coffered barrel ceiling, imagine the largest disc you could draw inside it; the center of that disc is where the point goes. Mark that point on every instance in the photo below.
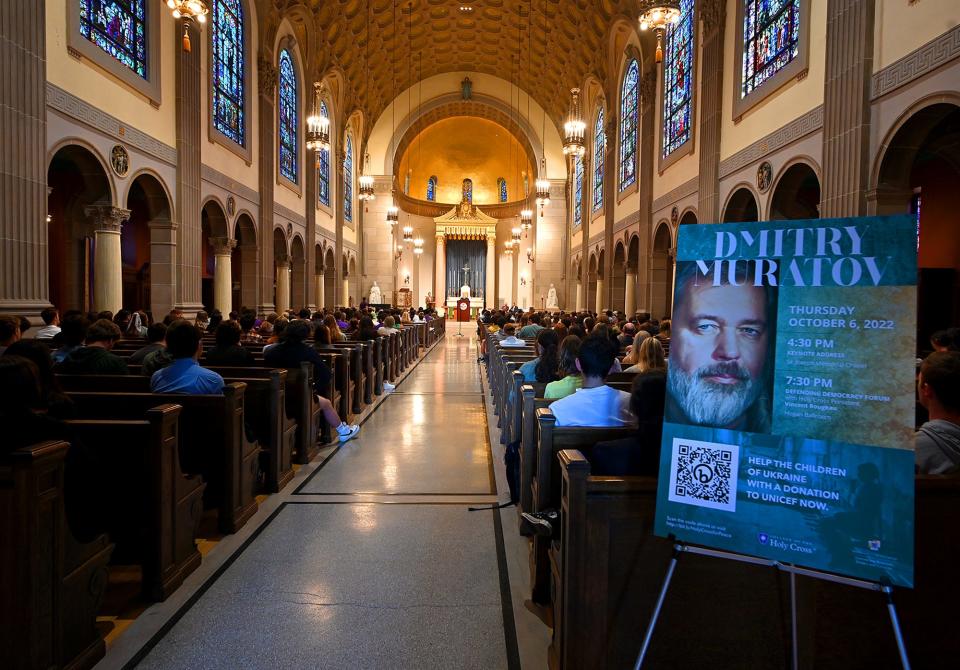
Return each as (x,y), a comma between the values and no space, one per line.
(544,46)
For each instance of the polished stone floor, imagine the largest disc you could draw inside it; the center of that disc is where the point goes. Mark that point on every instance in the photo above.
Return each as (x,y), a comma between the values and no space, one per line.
(370,559)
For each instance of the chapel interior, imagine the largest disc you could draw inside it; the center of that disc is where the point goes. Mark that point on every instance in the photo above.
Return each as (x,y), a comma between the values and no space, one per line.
(433,160)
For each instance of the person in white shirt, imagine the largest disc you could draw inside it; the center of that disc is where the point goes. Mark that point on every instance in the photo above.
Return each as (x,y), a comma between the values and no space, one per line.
(51,320)
(387,328)
(595,404)
(510,338)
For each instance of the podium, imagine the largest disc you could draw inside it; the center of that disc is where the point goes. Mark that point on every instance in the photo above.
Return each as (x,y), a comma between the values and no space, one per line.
(463,309)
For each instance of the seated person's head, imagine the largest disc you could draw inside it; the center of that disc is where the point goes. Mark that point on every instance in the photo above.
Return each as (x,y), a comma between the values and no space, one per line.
(247,319)
(265,329)
(569,349)
(304,313)
(73,330)
(647,395)
(228,334)
(296,332)
(39,353)
(939,382)
(9,329)
(156,332)
(389,322)
(105,314)
(596,356)
(279,326)
(183,339)
(50,316)
(321,334)
(509,329)
(19,384)
(651,355)
(103,332)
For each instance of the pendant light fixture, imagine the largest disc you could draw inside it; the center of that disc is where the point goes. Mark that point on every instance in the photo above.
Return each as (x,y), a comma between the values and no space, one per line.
(189,11)
(659,15)
(574,128)
(365,180)
(318,126)
(526,220)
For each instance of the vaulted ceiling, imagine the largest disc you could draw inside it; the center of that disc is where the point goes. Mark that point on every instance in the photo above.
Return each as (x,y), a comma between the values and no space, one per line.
(545,46)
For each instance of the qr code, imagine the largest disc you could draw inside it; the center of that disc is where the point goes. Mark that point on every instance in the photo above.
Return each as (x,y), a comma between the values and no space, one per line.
(704,474)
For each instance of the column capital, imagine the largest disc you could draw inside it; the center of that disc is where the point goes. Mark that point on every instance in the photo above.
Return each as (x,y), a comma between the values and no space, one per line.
(222,246)
(106,218)
(713,13)
(441,238)
(648,87)
(491,238)
(266,75)
(282,261)
(321,270)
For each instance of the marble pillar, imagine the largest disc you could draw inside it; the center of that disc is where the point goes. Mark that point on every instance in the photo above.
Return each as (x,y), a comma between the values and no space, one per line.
(222,273)
(107,264)
(267,179)
(490,290)
(189,240)
(24,273)
(630,293)
(345,291)
(440,287)
(713,15)
(600,295)
(282,264)
(578,300)
(319,282)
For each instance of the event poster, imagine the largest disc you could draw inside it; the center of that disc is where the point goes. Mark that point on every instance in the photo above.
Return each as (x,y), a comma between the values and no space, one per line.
(788,429)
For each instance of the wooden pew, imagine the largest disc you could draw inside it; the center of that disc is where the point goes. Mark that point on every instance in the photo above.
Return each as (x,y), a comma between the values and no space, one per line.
(212,442)
(545,483)
(354,350)
(152,509)
(530,400)
(51,585)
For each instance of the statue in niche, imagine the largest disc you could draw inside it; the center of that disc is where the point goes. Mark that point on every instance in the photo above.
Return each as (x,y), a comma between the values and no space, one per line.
(466,88)
(552,302)
(376,297)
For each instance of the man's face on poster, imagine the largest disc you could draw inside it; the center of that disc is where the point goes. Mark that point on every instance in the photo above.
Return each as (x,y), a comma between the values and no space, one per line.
(718,352)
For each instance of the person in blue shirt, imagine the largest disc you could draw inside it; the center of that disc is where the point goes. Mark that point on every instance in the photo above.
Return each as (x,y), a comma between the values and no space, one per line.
(184,375)
(545,367)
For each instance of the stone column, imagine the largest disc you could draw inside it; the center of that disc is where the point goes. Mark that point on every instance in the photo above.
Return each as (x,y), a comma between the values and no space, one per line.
(107,265)
(630,292)
(713,15)
(283,284)
(846,107)
(648,151)
(515,276)
(600,295)
(319,280)
(490,290)
(222,273)
(266,84)
(24,275)
(188,101)
(578,300)
(345,290)
(440,284)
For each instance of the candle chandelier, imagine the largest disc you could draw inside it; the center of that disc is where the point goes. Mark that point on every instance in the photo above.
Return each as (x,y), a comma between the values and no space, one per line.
(408,234)
(365,181)
(508,247)
(393,216)
(659,15)
(526,220)
(189,11)
(418,246)
(574,128)
(318,126)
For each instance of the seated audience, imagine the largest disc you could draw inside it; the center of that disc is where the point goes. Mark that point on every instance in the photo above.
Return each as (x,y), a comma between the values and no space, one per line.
(543,369)
(137,325)
(155,334)
(9,331)
(366,330)
(290,353)
(73,331)
(52,399)
(595,403)
(51,324)
(202,321)
(510,338)
(94,358)
(639,454)
(228,350)
(664,336)
(650,356)
(387,328)
(184,374)
(572,379)
(247,322)
(946,340)
(627,333)
(937,443)
(333,326)
(532,328)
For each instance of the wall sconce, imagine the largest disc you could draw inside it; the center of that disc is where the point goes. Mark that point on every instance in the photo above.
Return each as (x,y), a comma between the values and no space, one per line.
(398,254)
(523,280)
(530,257)
(406,280)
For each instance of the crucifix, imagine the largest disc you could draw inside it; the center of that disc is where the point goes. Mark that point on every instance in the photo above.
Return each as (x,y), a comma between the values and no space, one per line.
(466,274)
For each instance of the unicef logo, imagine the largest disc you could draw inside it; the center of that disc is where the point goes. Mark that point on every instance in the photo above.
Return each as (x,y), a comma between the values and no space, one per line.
(703,473)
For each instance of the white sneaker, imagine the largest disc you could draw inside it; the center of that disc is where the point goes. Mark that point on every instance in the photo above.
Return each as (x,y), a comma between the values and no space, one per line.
(387,386)
(347,432)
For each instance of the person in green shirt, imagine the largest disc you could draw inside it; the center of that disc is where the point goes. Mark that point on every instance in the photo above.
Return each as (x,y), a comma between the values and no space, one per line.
(532,329)
(573,380)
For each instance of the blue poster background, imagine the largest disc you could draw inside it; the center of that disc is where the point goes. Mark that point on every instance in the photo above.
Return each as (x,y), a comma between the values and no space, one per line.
(815,332)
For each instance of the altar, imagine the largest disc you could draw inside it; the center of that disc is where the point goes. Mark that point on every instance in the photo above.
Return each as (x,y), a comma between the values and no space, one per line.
(465,257)
(476,304)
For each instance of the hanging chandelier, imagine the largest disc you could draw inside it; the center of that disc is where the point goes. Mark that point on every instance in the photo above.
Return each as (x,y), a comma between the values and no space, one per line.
(189,11)
(543,185)
(408,234)
(393,216)
(365,181)
(574,128)
(526,220)
(515,234)
(318,126)
(418,246)
(508,247)
(659,15)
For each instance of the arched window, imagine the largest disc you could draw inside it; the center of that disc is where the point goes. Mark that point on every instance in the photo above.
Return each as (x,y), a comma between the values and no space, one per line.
(287,116)
(468,190)
(228,69)
(348,181)
(119,28)
(677,78)
(599,148)
(771,40)
(629,113)
(577,190)
(432,189)
(502,189)
(323,166)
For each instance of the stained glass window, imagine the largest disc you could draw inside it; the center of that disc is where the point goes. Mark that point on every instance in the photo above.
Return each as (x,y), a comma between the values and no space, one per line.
(119,28)
(629,113)
(677,78)
(323,167)
(228,67)
(468,189)
(348,181)
(599,148)
(502,188)
(432,189)
(287,96)
(577,190)
(771,39)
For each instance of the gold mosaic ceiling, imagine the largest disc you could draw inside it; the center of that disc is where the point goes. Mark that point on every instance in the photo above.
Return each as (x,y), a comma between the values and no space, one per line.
(558,42)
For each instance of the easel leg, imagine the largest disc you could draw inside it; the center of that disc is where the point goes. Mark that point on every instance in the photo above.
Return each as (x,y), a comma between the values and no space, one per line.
(793,620)
(677,549)
(895,622)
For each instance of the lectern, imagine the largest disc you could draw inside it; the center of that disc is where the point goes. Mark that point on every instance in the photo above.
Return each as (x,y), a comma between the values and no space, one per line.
(463,309)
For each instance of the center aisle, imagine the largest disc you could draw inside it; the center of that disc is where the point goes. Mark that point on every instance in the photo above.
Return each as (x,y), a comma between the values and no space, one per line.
(373,561)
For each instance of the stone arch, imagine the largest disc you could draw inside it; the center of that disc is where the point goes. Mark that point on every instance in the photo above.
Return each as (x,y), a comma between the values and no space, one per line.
(247,270)
(330,278)
(618,275)
(689,216)
(661,284)
(77,178)
(602,289)
(632,266)
(353,296)
(147,284)
(213,229)
(298,273)
(796,192)
(590,299)
(917,172)
(281,270)
(742,205)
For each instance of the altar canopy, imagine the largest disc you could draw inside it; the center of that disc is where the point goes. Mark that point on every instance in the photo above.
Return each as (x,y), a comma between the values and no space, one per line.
(466,253)
(466,237)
